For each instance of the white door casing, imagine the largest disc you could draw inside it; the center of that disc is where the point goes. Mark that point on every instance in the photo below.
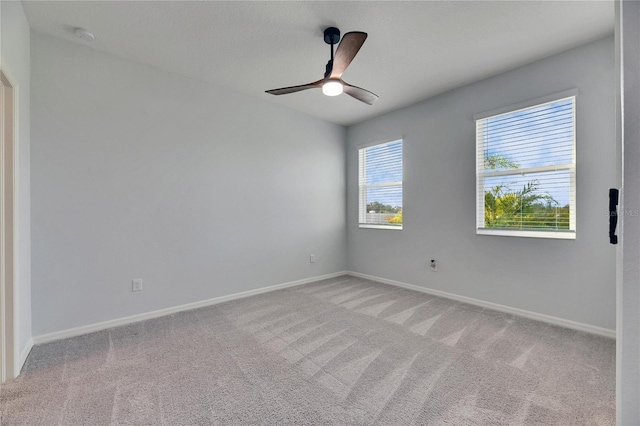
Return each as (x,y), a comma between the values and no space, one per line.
(7,180)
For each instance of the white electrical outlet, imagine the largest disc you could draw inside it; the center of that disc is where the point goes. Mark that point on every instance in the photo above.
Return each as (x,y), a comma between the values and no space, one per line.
(136,285)
(312,258)
(433,265)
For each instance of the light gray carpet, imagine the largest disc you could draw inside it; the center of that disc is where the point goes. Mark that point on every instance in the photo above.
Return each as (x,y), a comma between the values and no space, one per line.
(344,351)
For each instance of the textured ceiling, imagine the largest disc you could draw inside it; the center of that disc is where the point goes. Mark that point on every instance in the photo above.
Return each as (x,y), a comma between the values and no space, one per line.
(415,50)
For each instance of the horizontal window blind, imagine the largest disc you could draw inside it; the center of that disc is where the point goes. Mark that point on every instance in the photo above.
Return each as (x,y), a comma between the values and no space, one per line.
(380,185)
(525,169)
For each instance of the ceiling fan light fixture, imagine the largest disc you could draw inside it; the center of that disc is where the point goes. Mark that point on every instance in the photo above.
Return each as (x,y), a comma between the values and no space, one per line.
(332,87)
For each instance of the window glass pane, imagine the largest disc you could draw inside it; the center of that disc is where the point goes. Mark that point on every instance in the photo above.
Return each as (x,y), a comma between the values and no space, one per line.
(384,163)
(526,169)
(531,200)
(381,185)
(534,137)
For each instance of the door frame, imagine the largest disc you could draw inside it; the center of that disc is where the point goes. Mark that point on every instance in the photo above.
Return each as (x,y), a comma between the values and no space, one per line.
(8,128)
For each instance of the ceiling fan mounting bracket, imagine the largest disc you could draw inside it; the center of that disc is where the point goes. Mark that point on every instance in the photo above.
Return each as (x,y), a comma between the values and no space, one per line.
(331,35)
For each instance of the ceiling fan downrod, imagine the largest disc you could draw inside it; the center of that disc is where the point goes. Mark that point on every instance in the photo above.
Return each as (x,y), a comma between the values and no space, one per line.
(332,37)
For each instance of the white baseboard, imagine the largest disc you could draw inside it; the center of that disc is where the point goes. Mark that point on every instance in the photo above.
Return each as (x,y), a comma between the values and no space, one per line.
(85,329)
(22,358)
(77,331)
(496,307)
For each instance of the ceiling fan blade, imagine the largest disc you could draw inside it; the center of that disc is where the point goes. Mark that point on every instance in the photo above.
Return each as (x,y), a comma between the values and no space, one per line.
(293,89)
(346,51)
(359,93)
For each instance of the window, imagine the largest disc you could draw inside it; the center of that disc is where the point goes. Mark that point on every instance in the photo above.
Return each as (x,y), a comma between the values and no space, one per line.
(526,171)
(380,190)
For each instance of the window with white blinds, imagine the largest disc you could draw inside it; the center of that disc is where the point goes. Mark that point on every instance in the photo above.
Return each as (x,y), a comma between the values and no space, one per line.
(526,171)
(380,185)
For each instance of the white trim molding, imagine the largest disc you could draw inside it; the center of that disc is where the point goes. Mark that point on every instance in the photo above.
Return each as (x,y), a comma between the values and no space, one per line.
(380,142)
(574,325)
(99,326)
(22,358)
(90,328)
(529,233)
(8,223)
(574,92)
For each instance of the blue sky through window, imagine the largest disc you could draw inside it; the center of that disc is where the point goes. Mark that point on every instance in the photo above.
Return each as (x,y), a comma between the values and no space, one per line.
(534,137)
(383,164)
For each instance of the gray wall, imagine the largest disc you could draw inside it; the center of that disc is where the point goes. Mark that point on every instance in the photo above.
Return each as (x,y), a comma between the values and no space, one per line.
(16,63)
(201,192)
(574,280)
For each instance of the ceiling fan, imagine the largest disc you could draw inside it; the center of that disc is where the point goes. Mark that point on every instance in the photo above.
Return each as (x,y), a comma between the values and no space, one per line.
(332,84)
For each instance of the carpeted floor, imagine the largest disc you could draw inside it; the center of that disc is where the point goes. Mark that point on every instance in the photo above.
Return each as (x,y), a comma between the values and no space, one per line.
(344,351)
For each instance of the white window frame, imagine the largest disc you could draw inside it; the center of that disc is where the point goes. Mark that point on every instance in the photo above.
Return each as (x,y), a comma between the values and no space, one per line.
(481,174)
(362,186)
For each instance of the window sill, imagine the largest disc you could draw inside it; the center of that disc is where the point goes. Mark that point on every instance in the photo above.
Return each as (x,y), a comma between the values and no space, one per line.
(555,235)
(394,228)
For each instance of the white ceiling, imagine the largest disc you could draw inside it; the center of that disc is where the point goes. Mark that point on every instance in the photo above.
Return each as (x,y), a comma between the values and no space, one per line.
(415,50)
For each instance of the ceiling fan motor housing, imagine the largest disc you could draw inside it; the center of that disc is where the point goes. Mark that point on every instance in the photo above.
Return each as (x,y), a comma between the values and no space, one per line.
(331,35)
